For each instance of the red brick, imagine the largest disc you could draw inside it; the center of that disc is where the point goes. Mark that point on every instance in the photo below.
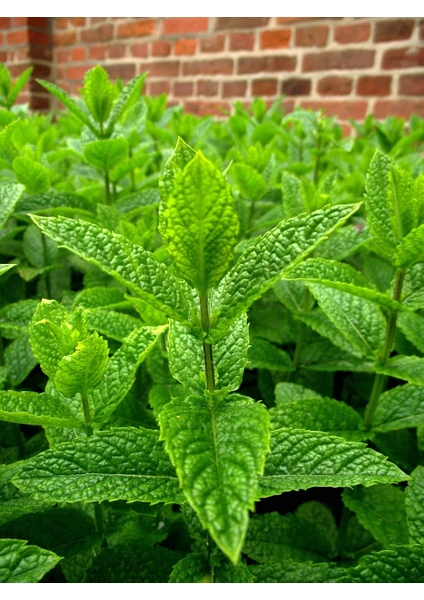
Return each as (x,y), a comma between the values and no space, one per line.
(5,22)
(3,57)
(403,58)
(206,87)
(18,37)
(374,85)
(393,29)
(221,66)
(264,87)
(41,52)
(284,20)
(116,50)
(20,21)
(40,38)
(41,72)
(335,86)
(76,73)
(296,87)
(287,106)
(137,28)
(213,44)
(161,48)
(78,21)
(311,36)
(139,50)
(275,38)
(97,52)
(203,108)
(161,68)
(103,33)
(346,129)
(241,22)
(422,31)
(39,22)
(181,25)
(182,89)
(122,70)
(241,41)
(234,89)
(352,34)
(339,59)
(65,38)
(1,39)
(39,102)
(345,109)
(258,64)
(60,22)
(78,54)
(156,88)
(399,108)
(412,85)
(95,20)
(185,47)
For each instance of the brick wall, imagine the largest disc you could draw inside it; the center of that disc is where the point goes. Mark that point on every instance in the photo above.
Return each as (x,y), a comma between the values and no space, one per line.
(347,66)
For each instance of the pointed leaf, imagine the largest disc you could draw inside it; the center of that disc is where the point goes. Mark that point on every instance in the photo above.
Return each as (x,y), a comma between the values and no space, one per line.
(250,183)
(19,360)
(18,86)
(114,325)
(411,249)
(129,94)
(20,563)
(410,368)
(291,392)
(400,408)
(33,175)
(9,196)
(106,154)
(30,408)
(263,355)
(98,93)
(288,571)
(414,498)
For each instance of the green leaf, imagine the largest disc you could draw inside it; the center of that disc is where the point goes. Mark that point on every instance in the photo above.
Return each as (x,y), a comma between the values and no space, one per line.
(9,196)
(291,392)
(5,81)
(414,498)
(106,154)
(30,408)
(265,262)
(263,355)
(186,360)
(292,195)
(195,568)
(121,464)
(250,183)
(402,564)
(17,315)
(410,251)
(128,95)
(20,563)
(114,325)
(288,571)
(301,459)
(218,451)
(180,157)
(13,504)
(201,224)
(98,93)
(381,510)
(344,242)
(341,277)
(100,297)
(410,368)
(19,360)
(18,86)
(120,373)
(5,268)
(412,326)
(400,408)
(33,175)
(70,104)
(318,414)
(131,265)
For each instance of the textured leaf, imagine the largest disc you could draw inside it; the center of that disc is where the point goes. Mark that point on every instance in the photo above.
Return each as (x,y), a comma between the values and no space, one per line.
(402,564)
(414,498)
(300,460)
(98,93)
(218,451)
(114,325)
(290,392)
(9,196)
(201,223)
(106,154)
(344,242)
(410,368)
(318,414)
(250,183)
(17,315)
(54,199)
(186,360)
(128,95)
(121,464)
(34,176)
(31,408)
(179,158)
(322,355)
(263,355)
(292,194)
(400,408)
(288,571)
(317,320)
(19,360)
(381,510)
(411,249)
(120,373)
(265,262)
(412,326)
(13,504)
(195,568)
(131,265)
(101,297)
(20,563)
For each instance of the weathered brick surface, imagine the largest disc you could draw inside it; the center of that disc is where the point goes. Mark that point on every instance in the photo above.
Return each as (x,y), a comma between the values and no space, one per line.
(347,66)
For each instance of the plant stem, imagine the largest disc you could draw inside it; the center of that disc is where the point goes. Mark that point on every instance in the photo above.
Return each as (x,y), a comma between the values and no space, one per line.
(380,380)
(341,535)
(207,348)
(107,188)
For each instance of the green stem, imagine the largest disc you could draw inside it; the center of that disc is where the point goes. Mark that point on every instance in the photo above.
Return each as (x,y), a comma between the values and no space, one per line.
(251,214)
(114,191)
(341,534)
(380,380)
(107,188)
(207,348)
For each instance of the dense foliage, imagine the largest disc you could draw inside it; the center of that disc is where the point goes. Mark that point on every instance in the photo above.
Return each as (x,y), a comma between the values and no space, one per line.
(212,343)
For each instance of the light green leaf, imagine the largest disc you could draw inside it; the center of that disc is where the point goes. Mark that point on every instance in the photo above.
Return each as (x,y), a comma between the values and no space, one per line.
(9,196)
(180,157)
(131,265)
(128,95)
(412,326)
(292,195)
(411,249)
(106,154)
(317,320)
(381,510)
(319,414)
(288,571)
(400,408)
(414,499)
(18,86)
(20,563)
(301,459)
(5,268)
(5,81)
(265,262)
(19,360)
(218,451)
(186,360)
(34,176)
(250,183)
(263,355)
(98,93)
(101,297)
(30,408)
(114,325)
(344,242)
(121,464)
(201,224)
(291,392)
(410,368)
